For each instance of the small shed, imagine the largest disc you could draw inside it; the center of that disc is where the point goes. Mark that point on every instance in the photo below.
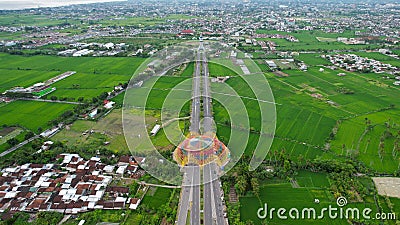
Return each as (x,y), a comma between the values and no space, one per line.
(155,129)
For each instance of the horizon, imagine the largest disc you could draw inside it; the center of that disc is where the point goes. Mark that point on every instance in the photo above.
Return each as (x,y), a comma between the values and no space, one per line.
(6,5)
(23,4)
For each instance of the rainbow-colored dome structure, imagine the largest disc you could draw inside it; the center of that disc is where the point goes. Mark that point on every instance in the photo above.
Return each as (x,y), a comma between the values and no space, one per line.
(201,150)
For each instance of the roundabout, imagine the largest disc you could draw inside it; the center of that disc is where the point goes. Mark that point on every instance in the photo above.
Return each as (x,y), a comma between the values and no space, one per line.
(201,150)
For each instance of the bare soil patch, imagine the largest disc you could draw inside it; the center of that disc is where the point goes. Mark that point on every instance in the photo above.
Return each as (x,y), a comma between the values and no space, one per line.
(388,186)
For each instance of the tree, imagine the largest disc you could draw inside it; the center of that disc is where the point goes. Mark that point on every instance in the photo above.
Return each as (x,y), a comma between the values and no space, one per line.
(18,218)
(133,188)
(396,149)
(29,135)
(249,222)
(255,185)
(300,161)
(381,150)
(241,185)
(12,141)
(53,98)
(343,147)
(103,95)
(95,100)
(286,166)
(48,218)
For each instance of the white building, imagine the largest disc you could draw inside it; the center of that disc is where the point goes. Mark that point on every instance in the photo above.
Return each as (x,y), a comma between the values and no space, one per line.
(82,52)
(155,129)
(134,203)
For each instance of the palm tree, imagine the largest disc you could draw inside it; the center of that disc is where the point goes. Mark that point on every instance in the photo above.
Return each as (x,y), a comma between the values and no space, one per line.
(300,159)
(343,147)
(381,150)
(396,149)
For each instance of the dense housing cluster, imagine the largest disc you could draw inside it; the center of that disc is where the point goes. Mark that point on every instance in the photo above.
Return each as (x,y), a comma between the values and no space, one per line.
(352,62)
(71,186)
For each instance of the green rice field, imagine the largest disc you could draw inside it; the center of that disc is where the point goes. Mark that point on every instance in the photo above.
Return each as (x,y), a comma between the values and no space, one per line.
(281,194)
(94,75)
(30,114)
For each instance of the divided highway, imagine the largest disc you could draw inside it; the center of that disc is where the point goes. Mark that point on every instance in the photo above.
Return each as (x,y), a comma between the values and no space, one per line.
(185,195)
(195,114)
(207,100)
(191,192)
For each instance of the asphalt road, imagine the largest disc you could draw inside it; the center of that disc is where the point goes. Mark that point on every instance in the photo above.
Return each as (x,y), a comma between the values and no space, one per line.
(195,129)
(208,121)
(213,207)
(195,114)
(207,192)
(190,193)
(216,189)
(8,151)
(186,191)
(195,210)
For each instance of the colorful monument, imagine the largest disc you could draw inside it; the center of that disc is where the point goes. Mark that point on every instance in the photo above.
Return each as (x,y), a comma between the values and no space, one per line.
(201,150)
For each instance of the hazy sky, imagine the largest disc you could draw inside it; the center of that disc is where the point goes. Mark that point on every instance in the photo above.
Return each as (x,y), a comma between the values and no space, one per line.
(22,4)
